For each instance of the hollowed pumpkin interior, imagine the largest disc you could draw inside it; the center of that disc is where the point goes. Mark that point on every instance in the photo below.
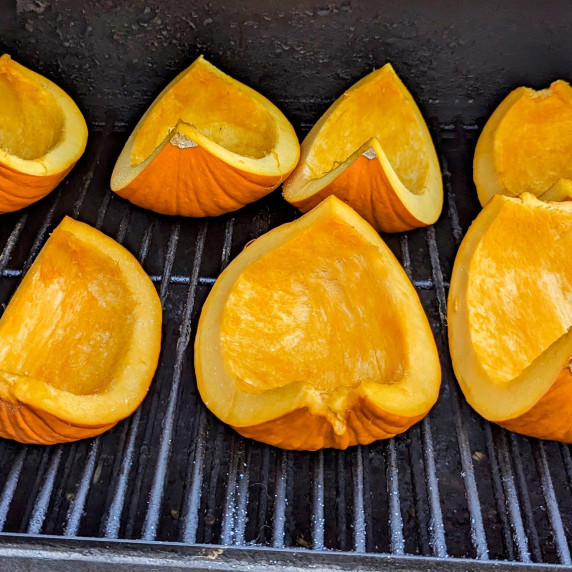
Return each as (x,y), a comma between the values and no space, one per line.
(520,287)
(394,124)
(31,120)
(214,107)
(314,299)
(70,329)
(532,144)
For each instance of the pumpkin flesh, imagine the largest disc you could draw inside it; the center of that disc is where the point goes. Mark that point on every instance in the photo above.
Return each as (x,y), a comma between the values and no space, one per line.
(79,340)
(510,315)
(310,338)
(207,145)
(42,135)
(526,143)
(372,150)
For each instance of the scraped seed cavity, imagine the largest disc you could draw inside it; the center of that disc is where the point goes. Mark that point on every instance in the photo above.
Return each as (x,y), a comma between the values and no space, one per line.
(182,141)
(370,154)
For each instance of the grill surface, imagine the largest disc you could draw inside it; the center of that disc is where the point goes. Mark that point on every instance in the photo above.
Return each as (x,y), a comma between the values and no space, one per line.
(452,486)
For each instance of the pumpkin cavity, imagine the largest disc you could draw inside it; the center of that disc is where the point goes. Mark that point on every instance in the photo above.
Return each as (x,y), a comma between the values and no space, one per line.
(378,110)
(213,107)
(31,121)
(321,301)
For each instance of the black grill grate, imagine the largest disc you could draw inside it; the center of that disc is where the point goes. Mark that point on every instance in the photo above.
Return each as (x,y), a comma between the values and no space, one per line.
(452,486)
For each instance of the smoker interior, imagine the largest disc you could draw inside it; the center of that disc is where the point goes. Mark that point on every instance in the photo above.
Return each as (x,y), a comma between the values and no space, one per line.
(453,485)
(172,478)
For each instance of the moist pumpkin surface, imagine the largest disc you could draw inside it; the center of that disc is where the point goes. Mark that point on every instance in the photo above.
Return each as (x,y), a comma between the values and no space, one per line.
(207,145)
(319,298)
(311,337)
(42,135)
(525,145)
(79,340)
(510,315)
(372,150)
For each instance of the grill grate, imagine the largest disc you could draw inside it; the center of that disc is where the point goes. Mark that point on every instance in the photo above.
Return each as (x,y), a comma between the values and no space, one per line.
(452,486)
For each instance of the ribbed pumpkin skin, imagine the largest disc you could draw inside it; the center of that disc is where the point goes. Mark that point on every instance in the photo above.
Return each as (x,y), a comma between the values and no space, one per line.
(364,185)
(195,183)
(540,421)
(34,426)
(18,190)
(304,431)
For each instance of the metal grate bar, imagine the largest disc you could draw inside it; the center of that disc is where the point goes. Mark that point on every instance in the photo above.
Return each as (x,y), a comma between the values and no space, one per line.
(151,417)
(397,541)
(43,499)
(12,241)
(498,490)
(157,488)
(341,500)
(123,226)
(318,502)
(194,497)
(519,534)
(280,501)
(242,493)
(76,509)
(91,172)
(436,527)
(40,236)
(478,535)
(112,519)
(169,261)
(567,459)
(10,485)
(551,503)
(359,511)
(525,503)
(229,515)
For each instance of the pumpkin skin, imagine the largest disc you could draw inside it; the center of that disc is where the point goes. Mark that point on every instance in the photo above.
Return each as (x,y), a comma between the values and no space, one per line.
(526,143)
(372,150)
(43,135)
(208,145)
(510,316)
(311,337)
(79,340)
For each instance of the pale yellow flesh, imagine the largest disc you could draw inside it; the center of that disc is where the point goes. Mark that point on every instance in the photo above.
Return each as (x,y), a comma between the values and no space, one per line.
(314,300)
(520,298)
(31,121)
(533,142)
(359,118)
(215,108)
(402,388)
(72,329)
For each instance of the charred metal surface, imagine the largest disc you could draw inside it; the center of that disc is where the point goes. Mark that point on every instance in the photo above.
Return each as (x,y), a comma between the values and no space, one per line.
(457,58)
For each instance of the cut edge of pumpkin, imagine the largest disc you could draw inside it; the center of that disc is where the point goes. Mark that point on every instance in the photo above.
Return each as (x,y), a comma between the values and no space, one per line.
(278,163)
(71,145)
(405,398)
(136,368)
(424,205)
(498,401)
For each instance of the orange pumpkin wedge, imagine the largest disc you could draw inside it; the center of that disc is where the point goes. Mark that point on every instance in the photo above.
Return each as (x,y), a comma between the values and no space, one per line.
(510,315)
(372,150)
(79,340)
(42,135)
(314,337)
(526,145)
(207,145)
